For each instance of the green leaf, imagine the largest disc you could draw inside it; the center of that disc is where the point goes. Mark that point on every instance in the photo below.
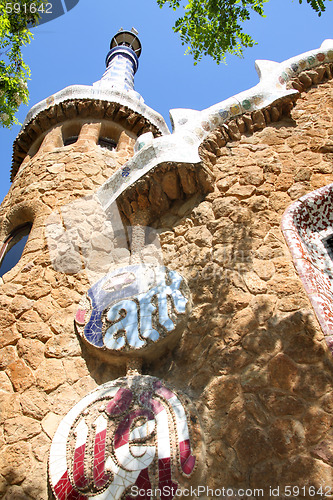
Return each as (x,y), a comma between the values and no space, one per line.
(214,27)
(14,73)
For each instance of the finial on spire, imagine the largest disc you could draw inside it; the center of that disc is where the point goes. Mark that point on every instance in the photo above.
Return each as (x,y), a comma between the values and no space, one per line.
(127,38)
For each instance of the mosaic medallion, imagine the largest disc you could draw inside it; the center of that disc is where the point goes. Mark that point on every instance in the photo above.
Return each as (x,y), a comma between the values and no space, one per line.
(132,434)
(133,308)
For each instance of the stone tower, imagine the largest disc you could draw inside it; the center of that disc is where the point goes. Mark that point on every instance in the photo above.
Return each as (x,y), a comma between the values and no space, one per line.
(156,340)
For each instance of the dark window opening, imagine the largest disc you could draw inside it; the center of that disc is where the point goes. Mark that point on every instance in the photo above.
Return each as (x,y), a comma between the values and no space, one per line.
(107,143)
(12,248)
(70,140)
(328,243)
(35,146)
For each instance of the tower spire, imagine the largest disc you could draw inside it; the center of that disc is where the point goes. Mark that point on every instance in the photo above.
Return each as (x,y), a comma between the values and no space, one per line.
(122,61)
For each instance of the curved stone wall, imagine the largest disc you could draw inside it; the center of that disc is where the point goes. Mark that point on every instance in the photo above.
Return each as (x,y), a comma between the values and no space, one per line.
(43,372)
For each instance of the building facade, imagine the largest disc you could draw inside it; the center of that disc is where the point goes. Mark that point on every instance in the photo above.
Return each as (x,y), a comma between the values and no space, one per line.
(156,340)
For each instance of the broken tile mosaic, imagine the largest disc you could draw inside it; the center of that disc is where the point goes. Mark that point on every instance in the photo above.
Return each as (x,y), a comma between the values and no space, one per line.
(308,226)
(133,307)
(133,431)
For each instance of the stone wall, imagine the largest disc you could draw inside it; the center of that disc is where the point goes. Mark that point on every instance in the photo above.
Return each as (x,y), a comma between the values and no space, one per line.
(253,359)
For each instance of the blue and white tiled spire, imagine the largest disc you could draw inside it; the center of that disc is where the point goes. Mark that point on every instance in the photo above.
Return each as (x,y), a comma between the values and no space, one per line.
(115,86)
(121,62)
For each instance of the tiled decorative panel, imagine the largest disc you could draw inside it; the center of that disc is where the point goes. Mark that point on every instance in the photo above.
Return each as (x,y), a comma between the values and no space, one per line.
(307,226)
(132,308)
(132,434)
(191,127)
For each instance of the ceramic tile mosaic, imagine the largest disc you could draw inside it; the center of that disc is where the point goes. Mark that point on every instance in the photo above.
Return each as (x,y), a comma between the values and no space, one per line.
(122,63)
(129,98)
(130,432)
(191,127)
(133,307)
(307,225)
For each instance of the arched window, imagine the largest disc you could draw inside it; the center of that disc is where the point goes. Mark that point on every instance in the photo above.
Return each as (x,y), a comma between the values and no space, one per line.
(70,140)
(13,246)
(70,132)
(107,143)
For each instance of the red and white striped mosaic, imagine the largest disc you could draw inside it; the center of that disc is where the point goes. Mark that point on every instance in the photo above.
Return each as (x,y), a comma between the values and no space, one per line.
(134,431)
(307,225)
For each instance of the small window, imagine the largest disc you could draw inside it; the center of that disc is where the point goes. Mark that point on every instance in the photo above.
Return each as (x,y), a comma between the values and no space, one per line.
(35,146)
(328,243)
(70,140)
(107,143)
(12,248)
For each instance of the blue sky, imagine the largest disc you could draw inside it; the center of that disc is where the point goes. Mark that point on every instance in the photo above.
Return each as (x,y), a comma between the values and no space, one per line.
(72,49)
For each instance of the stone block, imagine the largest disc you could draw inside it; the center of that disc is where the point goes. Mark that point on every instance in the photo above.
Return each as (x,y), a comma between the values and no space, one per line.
(251,175)
(61,346)
(32,351)
(76,368)
(20,375)
(8,356)
(261,342)
(305,349)
(5,383)
(50,423)
(227,386)
(223,207)
(327,402)
(41,448)
(241,216)
(20,304)
(286,436)
(279,201)
(281,403)
(34,403)
(253,446)
(298,190)
(36,290)
(265,269)
(254,379)
(33,486)
(306,471)
(199,235)
(15,460)
(283,372)
(8,333)
(20,428)
(316,424)
(240,191)
(324,451)
(258,119)
(254,283)
(226,183)
(284,286)
(50,374)
(170,185)
(61,322)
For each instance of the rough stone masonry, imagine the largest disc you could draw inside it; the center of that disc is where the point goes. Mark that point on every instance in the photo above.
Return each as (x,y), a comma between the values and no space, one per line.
(252,358)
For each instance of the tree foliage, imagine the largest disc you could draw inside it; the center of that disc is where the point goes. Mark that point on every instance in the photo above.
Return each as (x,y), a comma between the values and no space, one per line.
(208,27)
(214,27)
(15,22)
